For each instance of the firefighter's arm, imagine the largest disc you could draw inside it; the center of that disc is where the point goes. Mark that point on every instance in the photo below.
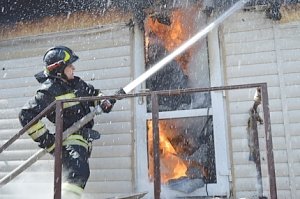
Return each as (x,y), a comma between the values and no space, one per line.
(38,131)
(107,104)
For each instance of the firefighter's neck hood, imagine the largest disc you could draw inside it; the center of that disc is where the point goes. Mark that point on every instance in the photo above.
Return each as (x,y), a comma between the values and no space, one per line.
(42,76)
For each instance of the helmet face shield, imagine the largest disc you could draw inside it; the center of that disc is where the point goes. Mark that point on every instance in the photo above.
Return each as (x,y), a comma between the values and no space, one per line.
(57,58)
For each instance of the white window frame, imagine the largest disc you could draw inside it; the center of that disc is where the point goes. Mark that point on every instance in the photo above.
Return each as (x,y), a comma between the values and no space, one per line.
(219,124)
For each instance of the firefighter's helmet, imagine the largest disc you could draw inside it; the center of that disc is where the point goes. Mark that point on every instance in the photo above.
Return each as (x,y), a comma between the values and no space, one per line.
(57,58)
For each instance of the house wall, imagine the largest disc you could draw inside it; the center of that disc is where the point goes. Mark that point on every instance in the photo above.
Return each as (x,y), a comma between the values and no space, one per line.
(254,50)
(105,62)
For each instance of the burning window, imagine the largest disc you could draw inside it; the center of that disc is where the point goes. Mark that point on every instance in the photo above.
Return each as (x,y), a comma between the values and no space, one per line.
(186,145)
(163,34)
(187,158)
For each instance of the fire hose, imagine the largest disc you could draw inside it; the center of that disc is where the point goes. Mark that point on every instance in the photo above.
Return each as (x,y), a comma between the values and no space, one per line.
(129,87)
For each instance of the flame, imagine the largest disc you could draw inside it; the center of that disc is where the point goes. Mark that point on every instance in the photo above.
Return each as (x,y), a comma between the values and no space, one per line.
(171,166)
(182,27)
(172,36)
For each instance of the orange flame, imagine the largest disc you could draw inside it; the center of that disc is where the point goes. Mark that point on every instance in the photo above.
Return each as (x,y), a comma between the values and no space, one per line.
(171,166)
(174,35)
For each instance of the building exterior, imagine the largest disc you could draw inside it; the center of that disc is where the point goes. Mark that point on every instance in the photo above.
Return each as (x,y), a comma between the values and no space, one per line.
(246,48)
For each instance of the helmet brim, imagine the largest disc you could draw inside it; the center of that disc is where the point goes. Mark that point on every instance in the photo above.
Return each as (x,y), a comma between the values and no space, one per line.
(73,59)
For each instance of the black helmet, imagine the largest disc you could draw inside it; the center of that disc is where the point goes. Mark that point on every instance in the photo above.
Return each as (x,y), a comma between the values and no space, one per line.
(57,58)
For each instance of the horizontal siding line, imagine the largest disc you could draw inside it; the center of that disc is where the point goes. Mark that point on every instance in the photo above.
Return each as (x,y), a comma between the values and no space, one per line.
(25,62)
(257,35)
(247,80)
(283,36)
(30,92)
(102,170)
(116,62)
(270,98)
(235,101)
(107,181)
(230,46)
(110,187)
(110,158)
(245,114)
(115,133)
(292,45)
(249,53)
(246,62)
(107,146)
(240,131)
(250,64)
(294,122)
(39,47)
(246,15)
(230,74)
(277,152)
(32,52)
(261,135)
(28,97)
(78,65)
(229,30)
(116,27)
(105,74)
(238,27)
(244,106)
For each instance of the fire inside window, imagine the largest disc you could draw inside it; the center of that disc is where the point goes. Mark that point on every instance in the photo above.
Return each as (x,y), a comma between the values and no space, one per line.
(188,70)
(187,155)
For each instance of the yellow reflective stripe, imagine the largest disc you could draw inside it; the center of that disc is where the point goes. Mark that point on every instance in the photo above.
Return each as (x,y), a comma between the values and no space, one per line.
(38,133)
(72,140)
(67,56)
(67,96)
(69,104)
(51,148)
(72,188)
(77,137)
(76,140)
(37,130)
(35,127)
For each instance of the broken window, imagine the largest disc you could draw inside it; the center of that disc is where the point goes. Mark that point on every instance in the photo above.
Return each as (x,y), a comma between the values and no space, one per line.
(186,145)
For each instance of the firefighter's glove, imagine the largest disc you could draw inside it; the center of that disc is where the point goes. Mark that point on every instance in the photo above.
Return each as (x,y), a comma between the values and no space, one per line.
(120,92)
(107,104)
(90,134)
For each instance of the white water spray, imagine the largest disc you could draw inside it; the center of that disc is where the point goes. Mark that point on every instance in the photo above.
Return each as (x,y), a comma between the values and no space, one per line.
(183,47)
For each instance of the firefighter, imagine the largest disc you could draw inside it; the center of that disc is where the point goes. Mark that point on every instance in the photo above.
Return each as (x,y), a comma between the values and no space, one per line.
(58,82)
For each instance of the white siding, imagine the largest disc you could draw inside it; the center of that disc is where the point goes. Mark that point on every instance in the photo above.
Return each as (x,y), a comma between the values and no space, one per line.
(255,50)
(105,62)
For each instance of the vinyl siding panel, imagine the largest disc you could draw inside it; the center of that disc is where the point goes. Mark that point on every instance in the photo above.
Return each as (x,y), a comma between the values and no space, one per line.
(256,50)
(105,62)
